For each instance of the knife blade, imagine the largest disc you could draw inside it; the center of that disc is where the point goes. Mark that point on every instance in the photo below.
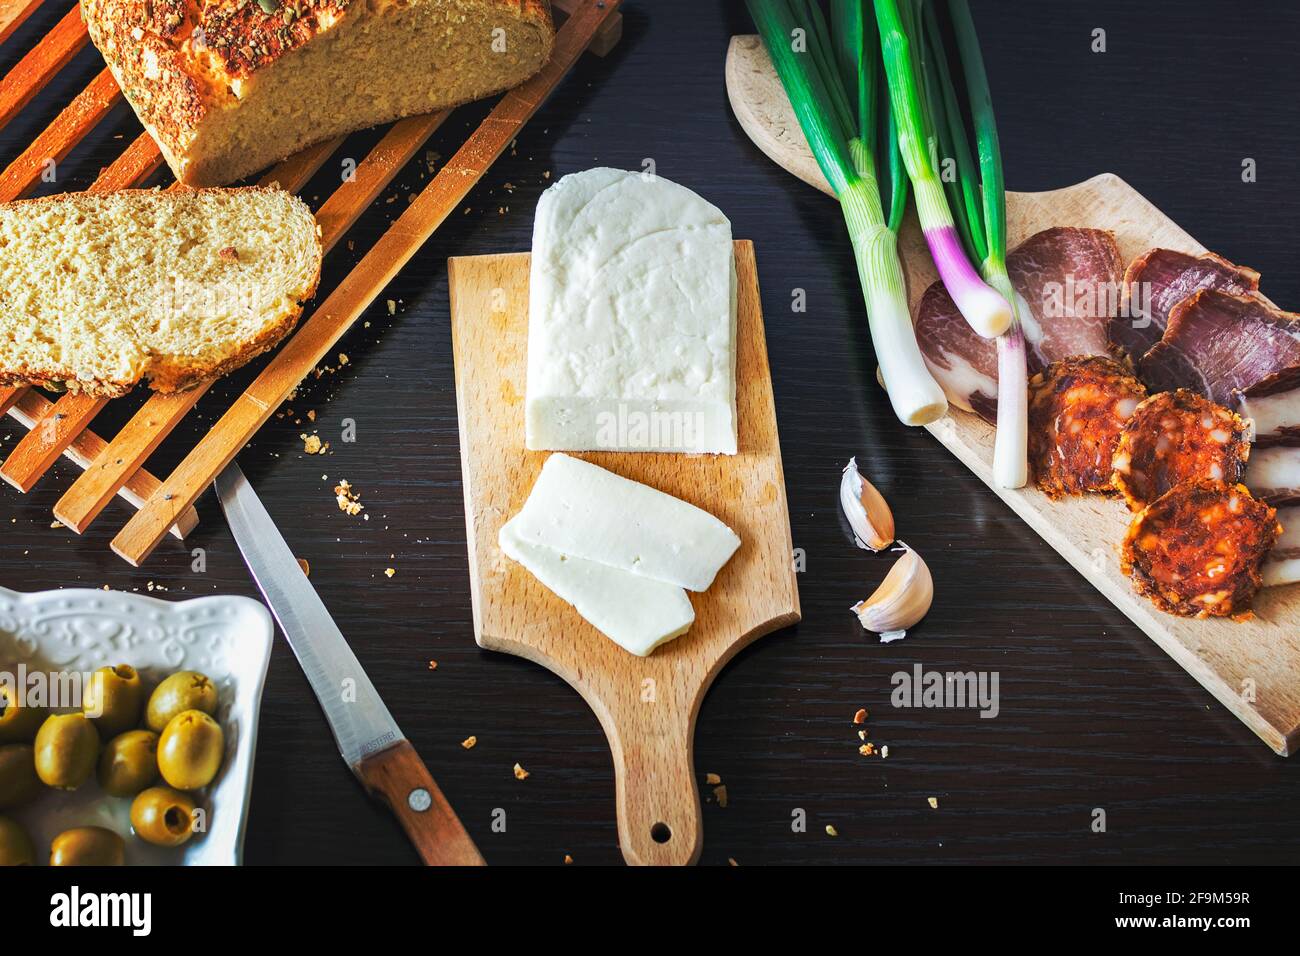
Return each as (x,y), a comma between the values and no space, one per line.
(368,737)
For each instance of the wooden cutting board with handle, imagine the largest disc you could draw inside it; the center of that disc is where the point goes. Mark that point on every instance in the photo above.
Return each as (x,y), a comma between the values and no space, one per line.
(647,706)
(1253,668)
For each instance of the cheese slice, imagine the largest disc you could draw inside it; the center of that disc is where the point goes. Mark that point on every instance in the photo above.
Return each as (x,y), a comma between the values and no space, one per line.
(583,510)
(636,613)
(631,318)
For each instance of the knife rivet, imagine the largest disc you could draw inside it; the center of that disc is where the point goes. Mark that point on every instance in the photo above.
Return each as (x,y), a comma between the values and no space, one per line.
(419,800)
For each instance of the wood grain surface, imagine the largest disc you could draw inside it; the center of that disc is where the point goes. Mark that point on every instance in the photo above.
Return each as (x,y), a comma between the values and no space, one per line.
(647,705)
(1252,668)
(1093,715)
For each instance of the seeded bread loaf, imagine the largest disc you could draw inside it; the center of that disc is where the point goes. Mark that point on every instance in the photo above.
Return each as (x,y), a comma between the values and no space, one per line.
(98,291)
(228,87)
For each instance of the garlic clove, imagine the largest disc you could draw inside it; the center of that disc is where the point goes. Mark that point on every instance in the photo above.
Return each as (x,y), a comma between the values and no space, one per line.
(902,599)
(869,516)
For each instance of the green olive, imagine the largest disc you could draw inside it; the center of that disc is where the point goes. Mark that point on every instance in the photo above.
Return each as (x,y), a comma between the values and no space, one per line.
(88,846)
(163,816)
(114,699)
(67,746)
(15,845)
(18,781)
(18,724)
(129,763)
(190,750)
(184,690)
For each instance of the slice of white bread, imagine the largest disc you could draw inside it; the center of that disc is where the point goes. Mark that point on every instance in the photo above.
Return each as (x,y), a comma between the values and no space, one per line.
(98,291)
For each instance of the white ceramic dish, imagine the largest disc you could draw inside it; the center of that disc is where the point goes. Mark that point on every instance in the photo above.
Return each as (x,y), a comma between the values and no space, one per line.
(227,638)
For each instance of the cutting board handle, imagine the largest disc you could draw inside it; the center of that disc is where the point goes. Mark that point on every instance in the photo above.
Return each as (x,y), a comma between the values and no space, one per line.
(657,797)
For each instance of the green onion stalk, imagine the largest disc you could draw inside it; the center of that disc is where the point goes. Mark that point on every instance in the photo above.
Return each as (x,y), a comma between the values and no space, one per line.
(833,91)
(986,311)
(1009,454)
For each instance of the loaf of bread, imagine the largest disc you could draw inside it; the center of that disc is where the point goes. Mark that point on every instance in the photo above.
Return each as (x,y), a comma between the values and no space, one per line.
(98,291)
(228,87)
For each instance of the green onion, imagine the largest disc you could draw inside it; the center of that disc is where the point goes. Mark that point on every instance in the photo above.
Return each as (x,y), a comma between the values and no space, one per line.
(832,90)
(1009,454)
(987,312)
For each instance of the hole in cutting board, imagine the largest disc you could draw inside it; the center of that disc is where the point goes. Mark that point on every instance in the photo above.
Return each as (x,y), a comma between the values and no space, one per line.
(661,833)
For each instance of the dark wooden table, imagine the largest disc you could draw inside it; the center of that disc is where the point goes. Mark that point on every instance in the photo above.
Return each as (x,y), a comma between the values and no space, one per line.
(1092,715)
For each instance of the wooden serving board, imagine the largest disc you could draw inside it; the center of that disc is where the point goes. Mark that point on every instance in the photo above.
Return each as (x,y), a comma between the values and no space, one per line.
(647,706)
(1253,668)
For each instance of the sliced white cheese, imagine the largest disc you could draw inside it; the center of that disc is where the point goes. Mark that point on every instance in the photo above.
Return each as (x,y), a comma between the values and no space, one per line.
(631,318)
(636,613)
(583,510)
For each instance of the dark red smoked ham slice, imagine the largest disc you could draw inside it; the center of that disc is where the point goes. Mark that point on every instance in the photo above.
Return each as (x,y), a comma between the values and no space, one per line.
(1158,280)
(1069,282)
(1218,343)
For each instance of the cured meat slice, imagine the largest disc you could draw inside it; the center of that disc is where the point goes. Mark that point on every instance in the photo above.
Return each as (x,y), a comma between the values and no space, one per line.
(1196,550)
(1273,404)
(1217,343)
(1282,566)
(1274,475)
(1076,411)
(1158,280)
(1175,437)
(1068,282)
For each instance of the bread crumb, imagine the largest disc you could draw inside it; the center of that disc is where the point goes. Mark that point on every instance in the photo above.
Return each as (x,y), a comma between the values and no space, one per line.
(867,749)
(469,742)
(392,307)
(312,444)
(433,665)
(567,859)
(831,831)
(933,801)
(731,861)
(860,716)
(884,751)
(712,778)
(349,500)
(343,359)
(521,773)
(306,568)
(389,572)
(720,793)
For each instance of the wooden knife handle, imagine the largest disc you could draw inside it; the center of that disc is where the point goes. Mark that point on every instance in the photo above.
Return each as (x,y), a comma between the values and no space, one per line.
(398,777)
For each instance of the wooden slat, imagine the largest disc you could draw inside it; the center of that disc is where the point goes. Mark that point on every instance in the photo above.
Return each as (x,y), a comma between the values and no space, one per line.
(346,204)
(9,396)
(37,68)
(87,446)
(45,442)
(77,119)
(140,160)
(606,38)
(13,14)
(317,336)
(161,413)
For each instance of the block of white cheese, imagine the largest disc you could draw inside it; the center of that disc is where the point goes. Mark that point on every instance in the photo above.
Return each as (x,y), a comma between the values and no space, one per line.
(631,318)
(637,613)
(582,510)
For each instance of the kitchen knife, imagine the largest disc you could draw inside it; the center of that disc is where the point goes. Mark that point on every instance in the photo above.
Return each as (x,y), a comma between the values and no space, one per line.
(368,738)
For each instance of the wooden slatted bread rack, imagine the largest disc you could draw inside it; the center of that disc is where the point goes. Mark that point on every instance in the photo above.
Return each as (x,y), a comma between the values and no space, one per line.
(116,466)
